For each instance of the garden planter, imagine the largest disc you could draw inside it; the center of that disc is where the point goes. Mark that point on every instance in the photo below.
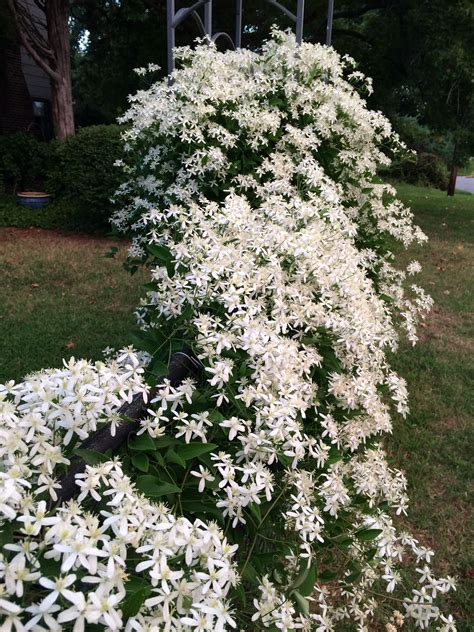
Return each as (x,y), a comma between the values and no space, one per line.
(33,199)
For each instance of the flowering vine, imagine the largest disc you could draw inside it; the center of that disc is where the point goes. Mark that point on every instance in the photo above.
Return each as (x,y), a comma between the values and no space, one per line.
(257,495)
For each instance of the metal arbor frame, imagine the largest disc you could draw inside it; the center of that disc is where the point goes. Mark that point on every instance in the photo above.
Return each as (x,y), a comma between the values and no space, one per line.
(175,18)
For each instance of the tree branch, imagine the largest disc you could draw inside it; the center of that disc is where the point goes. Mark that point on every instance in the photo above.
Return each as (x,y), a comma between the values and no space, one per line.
(35,49)
(34,35)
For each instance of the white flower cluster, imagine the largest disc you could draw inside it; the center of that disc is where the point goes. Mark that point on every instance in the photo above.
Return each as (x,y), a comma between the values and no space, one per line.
(251,182)
(50,411)
(67,567)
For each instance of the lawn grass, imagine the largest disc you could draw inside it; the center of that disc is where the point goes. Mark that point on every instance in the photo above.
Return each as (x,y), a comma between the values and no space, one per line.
(435,445)
(60,297)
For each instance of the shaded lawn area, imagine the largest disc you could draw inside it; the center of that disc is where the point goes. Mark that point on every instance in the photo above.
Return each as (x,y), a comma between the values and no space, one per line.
(435,444)
(59,297)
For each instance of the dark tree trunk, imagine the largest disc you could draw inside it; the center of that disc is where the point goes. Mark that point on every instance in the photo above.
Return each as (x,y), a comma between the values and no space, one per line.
(454,170)
(452,180)
(57,13)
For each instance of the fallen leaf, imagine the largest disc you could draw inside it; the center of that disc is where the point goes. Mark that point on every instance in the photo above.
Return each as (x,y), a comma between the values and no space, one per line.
(70,345)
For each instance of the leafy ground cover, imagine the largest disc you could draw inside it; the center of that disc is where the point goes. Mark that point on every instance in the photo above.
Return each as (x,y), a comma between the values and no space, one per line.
(60,297)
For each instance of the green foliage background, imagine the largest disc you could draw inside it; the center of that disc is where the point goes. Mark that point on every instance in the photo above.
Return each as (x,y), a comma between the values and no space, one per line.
(418,52)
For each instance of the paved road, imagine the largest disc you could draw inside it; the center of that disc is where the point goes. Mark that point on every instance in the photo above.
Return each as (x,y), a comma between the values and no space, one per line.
(465,184)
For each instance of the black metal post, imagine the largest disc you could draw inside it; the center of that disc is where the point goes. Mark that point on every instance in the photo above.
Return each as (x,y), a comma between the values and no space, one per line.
(329,22)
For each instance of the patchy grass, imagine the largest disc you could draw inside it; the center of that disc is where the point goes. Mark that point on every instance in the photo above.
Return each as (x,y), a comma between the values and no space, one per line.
(60,297)
(435,444)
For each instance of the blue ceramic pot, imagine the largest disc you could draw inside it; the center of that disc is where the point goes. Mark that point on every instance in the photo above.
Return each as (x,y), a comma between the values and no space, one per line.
(33,199)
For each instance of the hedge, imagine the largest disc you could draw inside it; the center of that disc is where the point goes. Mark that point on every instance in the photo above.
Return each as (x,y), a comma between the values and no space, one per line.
(79,172)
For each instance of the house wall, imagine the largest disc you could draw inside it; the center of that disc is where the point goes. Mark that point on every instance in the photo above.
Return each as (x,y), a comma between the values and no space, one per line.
(16,108)
(37,80)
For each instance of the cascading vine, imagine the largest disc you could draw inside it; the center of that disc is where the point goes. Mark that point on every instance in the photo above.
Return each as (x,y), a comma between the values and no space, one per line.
(257,495)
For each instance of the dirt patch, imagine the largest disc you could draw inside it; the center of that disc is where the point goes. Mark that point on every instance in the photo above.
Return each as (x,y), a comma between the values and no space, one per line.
(441,327)
(42,234)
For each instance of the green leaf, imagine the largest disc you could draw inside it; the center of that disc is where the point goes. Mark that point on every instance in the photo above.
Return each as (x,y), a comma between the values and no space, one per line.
(158,368)
(50,567)
(150,340)
(141,462)
(307,586)
(111,253)
(194,449)
(334,456)
(159,459)
(154,487)
(367,534)
(215,416)
(187,602)
(91,457)
(354,576)
(133,602)
(300,578)
(370,554)
(254,509)
(165,442)
(142,442)
(284,460)
(302,603)
(202,507)
(327,576)
(172,457)
(162,253)
(6,534)
(249,574)
(239,589)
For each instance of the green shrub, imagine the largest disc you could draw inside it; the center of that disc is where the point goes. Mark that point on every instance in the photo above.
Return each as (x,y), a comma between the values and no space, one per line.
(424,168)
(430,169)
(23,162)
(423,139)
(83,172)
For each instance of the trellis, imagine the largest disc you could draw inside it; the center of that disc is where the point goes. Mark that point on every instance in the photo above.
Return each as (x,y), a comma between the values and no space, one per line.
(201,11)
